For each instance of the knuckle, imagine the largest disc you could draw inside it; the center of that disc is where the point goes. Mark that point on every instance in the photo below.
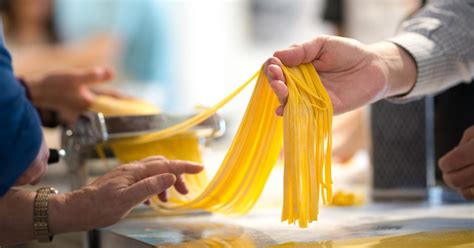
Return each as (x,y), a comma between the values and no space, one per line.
(296,45)
(167,164)
(149,186)
(161,184)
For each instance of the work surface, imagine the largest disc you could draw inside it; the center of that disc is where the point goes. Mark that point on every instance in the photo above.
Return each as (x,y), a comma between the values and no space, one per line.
(412,224)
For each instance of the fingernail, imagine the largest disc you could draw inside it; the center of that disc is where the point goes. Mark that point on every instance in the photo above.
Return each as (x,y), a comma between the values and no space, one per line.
(270,74)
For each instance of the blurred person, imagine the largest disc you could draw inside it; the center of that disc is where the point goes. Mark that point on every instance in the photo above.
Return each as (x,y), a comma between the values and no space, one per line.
(433,52)
(147,64)
(31,32)
(26,215)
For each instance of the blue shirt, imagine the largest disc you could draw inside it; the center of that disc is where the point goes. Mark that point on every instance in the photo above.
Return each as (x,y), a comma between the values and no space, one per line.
(20,128)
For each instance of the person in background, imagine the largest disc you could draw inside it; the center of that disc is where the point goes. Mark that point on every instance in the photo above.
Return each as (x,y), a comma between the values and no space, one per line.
(434,52)
(147,61)
(31,32)
(26,215)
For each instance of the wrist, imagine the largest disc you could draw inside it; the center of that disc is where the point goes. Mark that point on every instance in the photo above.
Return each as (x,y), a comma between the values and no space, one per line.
(62,215)
(399,67)
(69,212)
(34,87)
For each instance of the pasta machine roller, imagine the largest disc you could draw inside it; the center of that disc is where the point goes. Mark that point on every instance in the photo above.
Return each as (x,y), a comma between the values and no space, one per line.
(79,141)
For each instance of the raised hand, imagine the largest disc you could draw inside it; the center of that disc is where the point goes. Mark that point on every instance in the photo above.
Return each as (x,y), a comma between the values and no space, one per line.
(69,93)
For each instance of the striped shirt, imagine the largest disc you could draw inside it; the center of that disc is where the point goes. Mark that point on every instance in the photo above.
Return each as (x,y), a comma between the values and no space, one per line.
(440,37)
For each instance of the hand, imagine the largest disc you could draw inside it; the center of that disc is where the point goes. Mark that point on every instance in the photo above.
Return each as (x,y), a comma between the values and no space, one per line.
(37,169)
(458,165)
(112,196)
(353,74)
(69,93)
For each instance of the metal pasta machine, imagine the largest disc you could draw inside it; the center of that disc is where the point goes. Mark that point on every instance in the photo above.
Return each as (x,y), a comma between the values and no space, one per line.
(79,141)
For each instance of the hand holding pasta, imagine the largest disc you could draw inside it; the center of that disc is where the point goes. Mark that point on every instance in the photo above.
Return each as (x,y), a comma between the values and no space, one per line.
(354,74)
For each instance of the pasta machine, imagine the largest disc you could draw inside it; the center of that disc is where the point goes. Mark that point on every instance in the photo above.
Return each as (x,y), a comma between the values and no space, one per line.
(79,141)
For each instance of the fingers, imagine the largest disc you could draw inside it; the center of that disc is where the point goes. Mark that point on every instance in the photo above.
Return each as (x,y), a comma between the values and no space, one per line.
(152,177)
(458,166)
(272,69)
(301,53)
(91,76)
(279,110)
(274,73)
(467,193)
(467,136)
(149,187)
(163,196)
(281,90)
(180,186)
(110,92)
(176,167)
(292,56)
(461,156)
(460,179)
(153,158)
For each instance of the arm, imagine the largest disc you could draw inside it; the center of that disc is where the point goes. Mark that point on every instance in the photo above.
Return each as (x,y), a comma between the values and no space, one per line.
(436,51)
(102,203)
(20,129)
(440,38)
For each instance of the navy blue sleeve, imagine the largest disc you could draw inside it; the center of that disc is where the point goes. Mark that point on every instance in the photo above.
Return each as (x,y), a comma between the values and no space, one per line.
(20,128)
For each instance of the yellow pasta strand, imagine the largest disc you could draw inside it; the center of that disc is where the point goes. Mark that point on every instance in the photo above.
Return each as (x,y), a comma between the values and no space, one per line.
(255,148)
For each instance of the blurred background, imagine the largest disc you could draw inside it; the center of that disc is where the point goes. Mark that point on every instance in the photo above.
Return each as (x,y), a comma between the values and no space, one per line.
(183,53)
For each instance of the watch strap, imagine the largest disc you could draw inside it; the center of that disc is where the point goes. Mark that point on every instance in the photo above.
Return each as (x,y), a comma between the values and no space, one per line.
(40,214)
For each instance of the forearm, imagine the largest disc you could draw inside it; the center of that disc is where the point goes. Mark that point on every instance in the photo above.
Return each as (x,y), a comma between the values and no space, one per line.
(16,208)
(16,220)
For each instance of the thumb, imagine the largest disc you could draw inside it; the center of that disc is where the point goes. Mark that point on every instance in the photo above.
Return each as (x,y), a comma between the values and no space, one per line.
(291,56)
(301,53)
(149,187)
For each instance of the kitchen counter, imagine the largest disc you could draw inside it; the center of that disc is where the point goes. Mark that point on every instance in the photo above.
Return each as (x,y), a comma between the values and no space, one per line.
(373,225)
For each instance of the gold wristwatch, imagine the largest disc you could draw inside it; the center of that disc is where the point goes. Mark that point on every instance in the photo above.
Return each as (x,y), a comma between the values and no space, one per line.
(40,214)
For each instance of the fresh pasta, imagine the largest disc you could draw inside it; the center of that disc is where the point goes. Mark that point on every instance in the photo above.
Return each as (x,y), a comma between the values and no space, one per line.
(304,131)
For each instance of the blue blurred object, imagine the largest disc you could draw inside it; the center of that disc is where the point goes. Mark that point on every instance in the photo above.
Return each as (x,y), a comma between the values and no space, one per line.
(141,26)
